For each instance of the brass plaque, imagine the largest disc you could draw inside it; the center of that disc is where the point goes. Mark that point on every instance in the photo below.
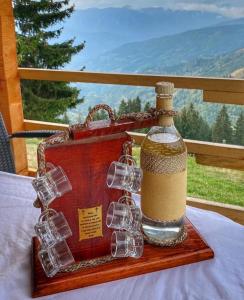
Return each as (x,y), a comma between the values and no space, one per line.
(90,222)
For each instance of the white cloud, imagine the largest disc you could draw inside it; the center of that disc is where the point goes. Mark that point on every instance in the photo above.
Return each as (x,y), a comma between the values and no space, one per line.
(233,8)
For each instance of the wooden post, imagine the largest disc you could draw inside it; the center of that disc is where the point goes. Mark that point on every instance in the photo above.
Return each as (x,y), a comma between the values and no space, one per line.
(10,94)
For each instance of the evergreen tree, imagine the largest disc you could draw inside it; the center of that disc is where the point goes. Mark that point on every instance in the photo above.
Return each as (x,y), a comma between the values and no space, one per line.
(123,108)
(222,130)
(239,130)
(137,104)
(147,106)
(191,125)
(132,105)
(36,26)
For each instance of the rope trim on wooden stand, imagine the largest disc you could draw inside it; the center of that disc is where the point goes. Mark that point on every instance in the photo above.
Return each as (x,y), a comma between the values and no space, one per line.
(152,113)
(88,263)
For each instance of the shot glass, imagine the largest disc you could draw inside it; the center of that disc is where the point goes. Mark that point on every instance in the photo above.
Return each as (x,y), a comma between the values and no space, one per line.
(52,227)
(52,185)
(127,244)
(123,217)
(136,215)
(124,176)
(54,258)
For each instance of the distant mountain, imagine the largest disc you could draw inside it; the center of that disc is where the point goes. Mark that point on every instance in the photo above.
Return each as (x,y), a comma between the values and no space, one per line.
(106,29)
(215,52)
(239,21)
(210,51)
(155,55)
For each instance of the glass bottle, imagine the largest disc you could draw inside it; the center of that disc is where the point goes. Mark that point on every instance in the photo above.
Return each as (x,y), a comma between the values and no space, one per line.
(164,183)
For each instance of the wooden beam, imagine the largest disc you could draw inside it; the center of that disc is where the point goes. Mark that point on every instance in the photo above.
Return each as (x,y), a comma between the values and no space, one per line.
(221,162)
(234,212)
(202,149)
(215,149)
(223,97)
(10,94)
(207,153)
(38,125)
(202,83)
(206,148)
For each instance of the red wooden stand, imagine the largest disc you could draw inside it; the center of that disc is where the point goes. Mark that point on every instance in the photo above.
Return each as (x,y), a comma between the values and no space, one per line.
(193,249)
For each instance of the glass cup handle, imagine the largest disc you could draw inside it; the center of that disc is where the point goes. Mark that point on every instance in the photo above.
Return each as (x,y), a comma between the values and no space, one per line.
(127,200)
(127,159)
(45,213)
(50,166)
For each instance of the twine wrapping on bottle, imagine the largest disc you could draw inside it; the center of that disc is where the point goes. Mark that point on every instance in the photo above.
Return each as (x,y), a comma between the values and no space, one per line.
(158,164)
(168,243)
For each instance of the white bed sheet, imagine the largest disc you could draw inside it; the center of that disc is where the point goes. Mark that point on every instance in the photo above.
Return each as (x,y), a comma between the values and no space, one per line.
(218,278)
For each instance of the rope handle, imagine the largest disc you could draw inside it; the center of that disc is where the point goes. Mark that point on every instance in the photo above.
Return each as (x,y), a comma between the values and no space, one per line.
(95,109)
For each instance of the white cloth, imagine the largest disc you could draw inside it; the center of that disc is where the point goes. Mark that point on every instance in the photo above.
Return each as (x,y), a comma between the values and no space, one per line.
(218,278)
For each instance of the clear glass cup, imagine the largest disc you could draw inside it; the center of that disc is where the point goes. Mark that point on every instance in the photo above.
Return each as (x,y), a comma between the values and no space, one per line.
(127,244)
(55,258)
(52,185)
(123,217)
(135,212)
(52,227)
(124,176)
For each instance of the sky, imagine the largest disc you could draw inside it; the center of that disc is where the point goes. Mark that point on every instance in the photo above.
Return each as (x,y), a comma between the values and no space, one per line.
(228,8)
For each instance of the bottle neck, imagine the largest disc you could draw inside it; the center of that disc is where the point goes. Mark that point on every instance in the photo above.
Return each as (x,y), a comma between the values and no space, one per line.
(166,103)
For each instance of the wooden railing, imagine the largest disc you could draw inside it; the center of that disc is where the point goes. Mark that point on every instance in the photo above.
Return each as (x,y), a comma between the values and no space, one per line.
(219,90)
(224,90)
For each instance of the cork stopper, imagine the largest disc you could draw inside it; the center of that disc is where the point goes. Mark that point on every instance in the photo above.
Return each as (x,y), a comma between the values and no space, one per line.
(164,88)
(164,101)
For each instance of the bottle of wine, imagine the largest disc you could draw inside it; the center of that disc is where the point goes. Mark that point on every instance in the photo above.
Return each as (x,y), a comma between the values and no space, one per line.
(163,161)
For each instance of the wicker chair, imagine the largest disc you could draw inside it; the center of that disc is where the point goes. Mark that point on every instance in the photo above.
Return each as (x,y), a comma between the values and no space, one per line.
(6,156)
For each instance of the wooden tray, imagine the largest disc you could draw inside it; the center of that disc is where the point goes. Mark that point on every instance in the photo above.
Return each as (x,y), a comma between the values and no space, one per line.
(193,249)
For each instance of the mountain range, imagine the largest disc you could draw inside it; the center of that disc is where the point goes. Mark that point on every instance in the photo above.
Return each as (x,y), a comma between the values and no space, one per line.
(174,45)
(109,28)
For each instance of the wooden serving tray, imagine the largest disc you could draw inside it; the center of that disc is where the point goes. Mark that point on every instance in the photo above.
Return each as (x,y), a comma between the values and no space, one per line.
(193,249)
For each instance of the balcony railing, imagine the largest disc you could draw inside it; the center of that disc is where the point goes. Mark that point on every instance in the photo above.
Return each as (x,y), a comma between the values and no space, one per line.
(212,154)
(216,90)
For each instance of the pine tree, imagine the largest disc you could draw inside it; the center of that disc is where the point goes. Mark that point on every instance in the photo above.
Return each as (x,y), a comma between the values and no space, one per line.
(37,28)
(123,108)
(239,130)
(222,130)
(147,106)
(191,125)
(132,105)
(137,104)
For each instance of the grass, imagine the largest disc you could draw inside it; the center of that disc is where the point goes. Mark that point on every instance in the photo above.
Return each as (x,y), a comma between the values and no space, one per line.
(31,152)
(220,185)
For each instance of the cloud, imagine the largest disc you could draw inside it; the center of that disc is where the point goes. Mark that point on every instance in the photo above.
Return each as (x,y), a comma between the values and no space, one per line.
(228,11)
(232,9)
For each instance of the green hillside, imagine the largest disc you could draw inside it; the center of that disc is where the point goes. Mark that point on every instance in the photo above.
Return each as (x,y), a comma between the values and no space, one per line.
(221,66)
(155,55)
(213,51)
